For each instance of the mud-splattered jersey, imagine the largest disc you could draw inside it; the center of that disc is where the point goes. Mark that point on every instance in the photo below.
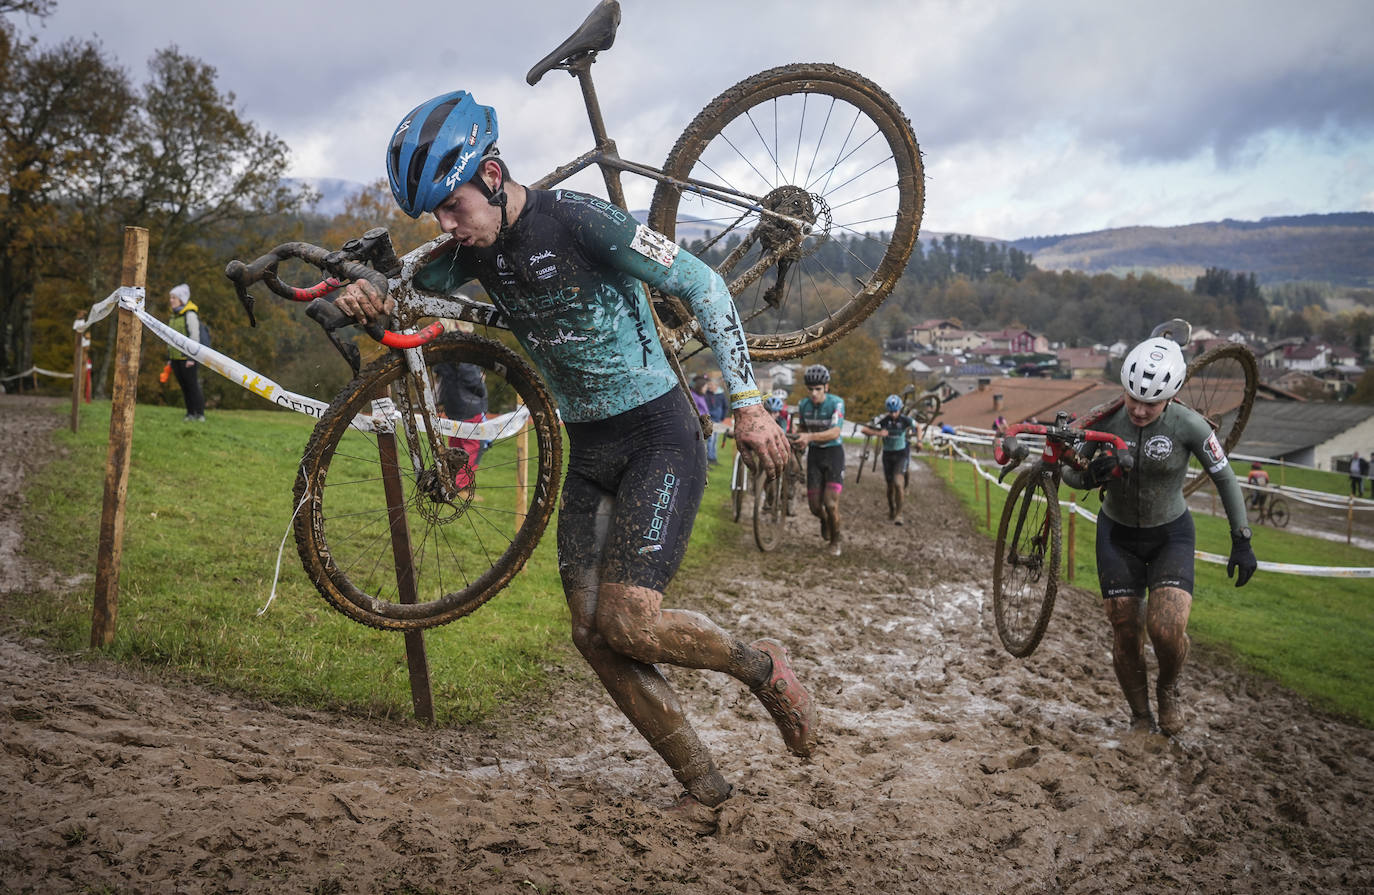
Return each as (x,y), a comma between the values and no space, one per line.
(894,430)
(813,417)
(569,275)
(1151,493)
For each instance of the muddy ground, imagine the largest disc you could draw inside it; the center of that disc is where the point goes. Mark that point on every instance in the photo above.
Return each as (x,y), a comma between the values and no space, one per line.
(944,766)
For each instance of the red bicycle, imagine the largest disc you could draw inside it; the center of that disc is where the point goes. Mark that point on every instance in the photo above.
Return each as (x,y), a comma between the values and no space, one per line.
(1025,570)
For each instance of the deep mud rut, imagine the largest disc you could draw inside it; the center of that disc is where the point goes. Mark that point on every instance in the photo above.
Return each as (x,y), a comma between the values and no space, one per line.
(944,766)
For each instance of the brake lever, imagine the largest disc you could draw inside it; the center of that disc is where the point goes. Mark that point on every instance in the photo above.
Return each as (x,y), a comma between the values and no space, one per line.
(235,271)
(1016,461)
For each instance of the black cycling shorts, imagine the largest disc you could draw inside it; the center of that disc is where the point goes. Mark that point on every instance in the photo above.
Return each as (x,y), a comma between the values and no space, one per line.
(895,463)
(824,466)
(1133,561)
(651,462)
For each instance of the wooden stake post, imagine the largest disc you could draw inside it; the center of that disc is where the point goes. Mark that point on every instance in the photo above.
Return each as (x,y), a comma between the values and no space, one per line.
(1073,521)
(417,662)
(128,341)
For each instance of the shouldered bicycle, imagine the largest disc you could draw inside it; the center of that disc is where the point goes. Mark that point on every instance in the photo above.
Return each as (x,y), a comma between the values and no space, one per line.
(814,180)
(1025,572)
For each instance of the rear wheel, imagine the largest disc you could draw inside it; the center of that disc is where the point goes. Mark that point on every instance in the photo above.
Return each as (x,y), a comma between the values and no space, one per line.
(402,531)
(827,188)
(1025,570)
(1221,386)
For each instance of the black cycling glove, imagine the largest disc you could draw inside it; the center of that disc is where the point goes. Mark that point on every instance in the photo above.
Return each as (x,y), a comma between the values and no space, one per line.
(1242,560)
(1103,468)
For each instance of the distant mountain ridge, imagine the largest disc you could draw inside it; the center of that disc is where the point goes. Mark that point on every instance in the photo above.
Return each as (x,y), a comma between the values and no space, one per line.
(1333,248)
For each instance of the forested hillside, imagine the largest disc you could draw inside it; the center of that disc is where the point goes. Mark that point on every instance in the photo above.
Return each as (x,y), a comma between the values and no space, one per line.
(1332,248)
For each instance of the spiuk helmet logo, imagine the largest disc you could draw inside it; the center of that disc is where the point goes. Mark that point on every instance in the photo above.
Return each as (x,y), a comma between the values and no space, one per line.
(402,127)
(458,169)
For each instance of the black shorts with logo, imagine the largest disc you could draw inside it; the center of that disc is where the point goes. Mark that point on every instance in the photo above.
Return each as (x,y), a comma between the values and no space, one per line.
(648,467)
(824,466)
(1133,561)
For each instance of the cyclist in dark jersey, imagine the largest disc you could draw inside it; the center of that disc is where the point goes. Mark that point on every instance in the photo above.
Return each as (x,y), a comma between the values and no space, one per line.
(568,272)
(820,416)
(892,427)
(1145,535)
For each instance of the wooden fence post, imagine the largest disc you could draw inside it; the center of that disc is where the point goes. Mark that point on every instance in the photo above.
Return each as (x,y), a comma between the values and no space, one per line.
(1073,523)
(987,497)
(128,341)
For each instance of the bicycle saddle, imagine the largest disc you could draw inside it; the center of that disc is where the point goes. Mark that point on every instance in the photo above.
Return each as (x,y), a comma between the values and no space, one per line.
(597,32)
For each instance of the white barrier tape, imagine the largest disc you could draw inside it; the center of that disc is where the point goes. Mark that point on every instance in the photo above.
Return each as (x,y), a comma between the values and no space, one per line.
(32,370)
(1281,567)
(101,309)
(1293,568)
(492,429)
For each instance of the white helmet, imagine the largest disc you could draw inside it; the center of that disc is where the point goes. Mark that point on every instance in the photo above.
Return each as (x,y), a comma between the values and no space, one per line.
(1154,370)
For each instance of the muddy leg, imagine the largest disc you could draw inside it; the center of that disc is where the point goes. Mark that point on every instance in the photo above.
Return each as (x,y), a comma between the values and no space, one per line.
(898,494)
(1167,622)
(830,504)
(817,507)
(638,689)
(1127,615)
(644,696)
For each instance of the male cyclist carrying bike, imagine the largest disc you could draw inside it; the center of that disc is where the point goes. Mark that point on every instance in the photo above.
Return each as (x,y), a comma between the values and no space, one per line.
(568,272)
(820,416)
(1145,537)
(893,427)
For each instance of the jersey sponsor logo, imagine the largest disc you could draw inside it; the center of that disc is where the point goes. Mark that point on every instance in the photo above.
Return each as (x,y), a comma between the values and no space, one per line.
(1159,447)
(654,246)
(541,256)
(545,273)
(1216,457)
(458,169)
(601,205)
(662,503)
(563,337)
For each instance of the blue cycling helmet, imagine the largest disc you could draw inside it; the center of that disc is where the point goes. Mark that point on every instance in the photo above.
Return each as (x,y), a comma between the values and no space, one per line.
(437,148)
(893,403)
(772,403)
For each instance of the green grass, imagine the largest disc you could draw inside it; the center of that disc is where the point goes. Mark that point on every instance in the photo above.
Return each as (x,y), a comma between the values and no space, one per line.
(208,505)
(1313,635)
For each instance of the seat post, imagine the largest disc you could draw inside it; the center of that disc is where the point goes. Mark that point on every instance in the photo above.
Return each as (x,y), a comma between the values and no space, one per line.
(582,69)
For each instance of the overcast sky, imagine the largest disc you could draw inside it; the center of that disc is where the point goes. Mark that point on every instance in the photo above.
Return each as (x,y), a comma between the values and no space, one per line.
(1044,117)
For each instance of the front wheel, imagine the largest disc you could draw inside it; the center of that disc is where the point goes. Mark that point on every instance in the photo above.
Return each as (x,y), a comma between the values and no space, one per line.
(770,511)
(739,484)
(1025,570)
(863,459)
(404,531)
(803,186)
(1278,513)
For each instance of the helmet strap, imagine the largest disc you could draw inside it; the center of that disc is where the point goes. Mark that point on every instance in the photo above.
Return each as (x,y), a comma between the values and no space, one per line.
(496,197)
